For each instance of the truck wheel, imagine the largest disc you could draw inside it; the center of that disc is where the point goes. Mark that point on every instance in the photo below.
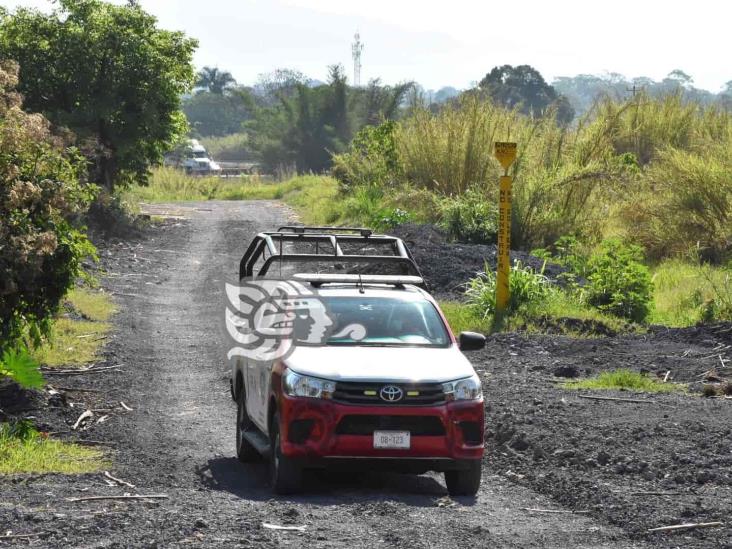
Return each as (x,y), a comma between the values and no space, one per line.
(285,473)
(244,450)
(464,482)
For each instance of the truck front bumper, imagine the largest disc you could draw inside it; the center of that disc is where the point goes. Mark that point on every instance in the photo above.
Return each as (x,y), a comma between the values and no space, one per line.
(322,429)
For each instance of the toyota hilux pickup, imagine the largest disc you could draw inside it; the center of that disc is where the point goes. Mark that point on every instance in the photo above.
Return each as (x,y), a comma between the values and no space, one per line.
(346,370)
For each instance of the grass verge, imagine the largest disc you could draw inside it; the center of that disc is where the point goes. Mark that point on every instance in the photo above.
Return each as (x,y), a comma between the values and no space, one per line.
(463,318)
(686,294)
(78,334)
(35,453)
(625,380)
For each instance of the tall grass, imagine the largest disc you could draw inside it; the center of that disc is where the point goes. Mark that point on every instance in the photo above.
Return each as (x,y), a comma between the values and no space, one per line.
(557,173)
(684,201)
(451,151)
(686,293)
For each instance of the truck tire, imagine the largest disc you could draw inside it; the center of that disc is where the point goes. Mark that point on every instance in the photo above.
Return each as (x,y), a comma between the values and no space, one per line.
(464,482)
(285,473)
(245,452)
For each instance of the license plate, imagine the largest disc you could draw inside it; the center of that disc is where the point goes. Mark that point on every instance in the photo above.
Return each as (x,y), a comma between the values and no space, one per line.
(392,439)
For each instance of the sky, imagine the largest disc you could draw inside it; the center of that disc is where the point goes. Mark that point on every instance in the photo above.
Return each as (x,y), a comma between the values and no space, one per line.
(456,42)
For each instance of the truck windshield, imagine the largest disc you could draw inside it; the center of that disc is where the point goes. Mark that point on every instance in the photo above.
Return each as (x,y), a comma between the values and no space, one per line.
(382,321)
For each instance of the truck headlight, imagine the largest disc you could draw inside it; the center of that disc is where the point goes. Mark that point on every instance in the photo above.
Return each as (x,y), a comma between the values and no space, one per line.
(463,389)
(294,384)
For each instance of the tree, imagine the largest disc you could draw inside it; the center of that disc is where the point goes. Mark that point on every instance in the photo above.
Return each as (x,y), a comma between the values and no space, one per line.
(107,73)
(217,114)
(272,86)
(40,195)
(380,103)
(214,80)
(521,86)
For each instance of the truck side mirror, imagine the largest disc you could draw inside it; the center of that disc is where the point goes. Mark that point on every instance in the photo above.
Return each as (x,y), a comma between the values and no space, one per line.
(470,341)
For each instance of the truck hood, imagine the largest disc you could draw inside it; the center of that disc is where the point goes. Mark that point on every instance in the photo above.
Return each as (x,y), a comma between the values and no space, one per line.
(387,364)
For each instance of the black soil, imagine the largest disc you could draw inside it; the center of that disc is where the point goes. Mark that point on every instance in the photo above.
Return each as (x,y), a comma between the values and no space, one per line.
(447,266)
(613,469)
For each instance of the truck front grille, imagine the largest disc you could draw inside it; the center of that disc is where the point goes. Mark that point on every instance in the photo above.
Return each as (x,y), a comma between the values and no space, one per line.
(413,394)
(424,426)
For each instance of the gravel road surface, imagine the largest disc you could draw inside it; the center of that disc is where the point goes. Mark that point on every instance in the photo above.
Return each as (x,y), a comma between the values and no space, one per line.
(178,439)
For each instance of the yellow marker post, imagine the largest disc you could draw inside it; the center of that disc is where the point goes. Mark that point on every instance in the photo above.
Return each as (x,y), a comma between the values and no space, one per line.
(506,154)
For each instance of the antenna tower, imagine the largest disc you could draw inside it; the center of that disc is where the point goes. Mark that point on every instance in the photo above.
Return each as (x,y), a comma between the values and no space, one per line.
(356,49)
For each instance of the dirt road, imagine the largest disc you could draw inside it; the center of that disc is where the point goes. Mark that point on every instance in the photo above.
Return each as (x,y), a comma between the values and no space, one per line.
(179,438)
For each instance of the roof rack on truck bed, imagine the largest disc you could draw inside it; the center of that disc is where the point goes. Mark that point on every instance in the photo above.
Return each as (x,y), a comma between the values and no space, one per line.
(303,229)
(325,245)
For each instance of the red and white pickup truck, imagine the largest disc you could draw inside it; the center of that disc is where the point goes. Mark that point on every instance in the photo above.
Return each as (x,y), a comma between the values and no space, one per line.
(384,385)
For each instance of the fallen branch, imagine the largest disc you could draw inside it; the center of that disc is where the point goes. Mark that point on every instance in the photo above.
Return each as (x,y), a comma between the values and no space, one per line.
(663,494)
(557,511)
(23,536)
(126,408)
(77,389)
(82,417)
(687,526)
(637,401)
(125,497)
(94,442)
(286,528)
(119,480)
(81,371)
(665,378)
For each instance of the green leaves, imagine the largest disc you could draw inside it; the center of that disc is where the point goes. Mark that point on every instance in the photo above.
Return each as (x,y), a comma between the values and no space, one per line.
(107,73)
(526,285)
(20,366)
(619,283)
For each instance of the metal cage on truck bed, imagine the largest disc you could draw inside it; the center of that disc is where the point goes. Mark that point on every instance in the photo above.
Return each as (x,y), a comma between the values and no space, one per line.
(324,245)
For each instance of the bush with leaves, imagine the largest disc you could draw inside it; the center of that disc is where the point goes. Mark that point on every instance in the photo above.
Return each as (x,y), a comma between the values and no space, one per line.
(527,287)
(21,368)
(618,282)
(371,160)
(41,249)
(470,217)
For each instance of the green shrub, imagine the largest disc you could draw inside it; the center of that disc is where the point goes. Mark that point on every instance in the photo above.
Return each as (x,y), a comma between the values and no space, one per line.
(526,286)
(470,217)
(19,366)
(394,218)
(22,429)
(41,249)
(619,283)
(371,159)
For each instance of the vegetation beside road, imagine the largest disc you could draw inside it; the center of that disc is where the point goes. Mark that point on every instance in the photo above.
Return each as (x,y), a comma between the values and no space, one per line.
(23,450)
(78,333)
(625,380)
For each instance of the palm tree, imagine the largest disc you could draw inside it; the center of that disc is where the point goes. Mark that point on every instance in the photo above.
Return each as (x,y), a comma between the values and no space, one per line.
(214,80)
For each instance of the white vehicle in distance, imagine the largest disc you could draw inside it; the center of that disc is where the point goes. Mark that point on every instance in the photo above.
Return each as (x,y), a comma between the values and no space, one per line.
(197,160)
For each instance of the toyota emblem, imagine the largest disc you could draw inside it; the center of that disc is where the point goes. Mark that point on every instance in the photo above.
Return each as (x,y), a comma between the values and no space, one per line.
(391,393)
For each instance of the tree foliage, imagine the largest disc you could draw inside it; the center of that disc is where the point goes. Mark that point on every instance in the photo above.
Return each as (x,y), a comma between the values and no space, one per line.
(524,87)
(213,114)
(107,73)
(214,80)
(40,194)
(303,125)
